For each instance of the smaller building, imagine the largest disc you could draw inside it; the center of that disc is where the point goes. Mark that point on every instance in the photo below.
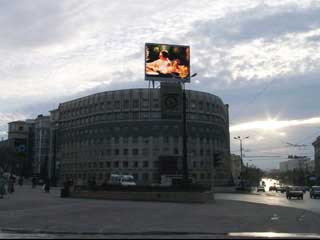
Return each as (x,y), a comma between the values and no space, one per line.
(295,163)
(316,145)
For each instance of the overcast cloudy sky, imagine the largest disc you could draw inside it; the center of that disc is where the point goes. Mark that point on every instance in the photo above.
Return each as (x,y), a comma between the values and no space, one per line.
(260,57)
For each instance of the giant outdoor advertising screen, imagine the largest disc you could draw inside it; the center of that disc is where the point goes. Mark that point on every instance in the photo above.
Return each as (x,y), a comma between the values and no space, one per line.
(165,62)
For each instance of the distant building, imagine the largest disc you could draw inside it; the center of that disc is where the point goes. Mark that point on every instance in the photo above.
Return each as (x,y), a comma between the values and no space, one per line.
(41,144)
(316,145)
(295,163)
(310,166)
(31,139)
(20,135)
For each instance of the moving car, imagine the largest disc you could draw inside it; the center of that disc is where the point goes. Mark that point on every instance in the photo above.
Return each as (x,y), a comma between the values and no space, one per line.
(261,189)
(315,192)
(295,192)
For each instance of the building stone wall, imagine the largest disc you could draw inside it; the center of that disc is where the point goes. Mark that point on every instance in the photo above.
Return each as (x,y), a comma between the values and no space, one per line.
(123,132)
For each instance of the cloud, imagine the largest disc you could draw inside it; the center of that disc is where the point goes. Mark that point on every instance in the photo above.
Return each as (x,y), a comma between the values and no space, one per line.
(56,51)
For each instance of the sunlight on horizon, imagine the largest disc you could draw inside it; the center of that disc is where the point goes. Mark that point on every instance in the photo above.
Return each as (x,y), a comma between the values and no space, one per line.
(273,124)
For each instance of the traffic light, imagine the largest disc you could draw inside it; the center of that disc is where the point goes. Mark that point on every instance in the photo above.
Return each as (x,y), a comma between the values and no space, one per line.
(217,159)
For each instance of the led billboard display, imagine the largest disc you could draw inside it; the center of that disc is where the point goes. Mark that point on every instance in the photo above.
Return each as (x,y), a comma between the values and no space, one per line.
(164,62)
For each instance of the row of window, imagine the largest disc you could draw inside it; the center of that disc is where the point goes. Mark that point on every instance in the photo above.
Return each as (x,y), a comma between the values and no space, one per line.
(116,105)
(124,164)
(134,139)
(118,152)
(136,116)
(133,152)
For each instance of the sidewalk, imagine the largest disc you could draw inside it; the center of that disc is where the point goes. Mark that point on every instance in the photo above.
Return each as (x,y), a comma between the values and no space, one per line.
(31,210)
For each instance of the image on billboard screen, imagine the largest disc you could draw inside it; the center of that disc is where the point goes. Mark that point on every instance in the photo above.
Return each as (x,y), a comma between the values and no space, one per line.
(164,62)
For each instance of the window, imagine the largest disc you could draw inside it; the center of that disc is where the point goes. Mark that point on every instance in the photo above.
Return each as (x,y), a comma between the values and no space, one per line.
(135,103)
(145,176)
(125,164)
(135,164)
(135,176)
(108,164)
(117,104)
(135,115)
(116,164)
(145,164)
(108,152)
(126,104)
(176,151)
(156,151)
(155,177)
(156,164)
(135,140)
(116,152)
(166,140)
(101,164)
(145,152)
(135,151)
(125,151)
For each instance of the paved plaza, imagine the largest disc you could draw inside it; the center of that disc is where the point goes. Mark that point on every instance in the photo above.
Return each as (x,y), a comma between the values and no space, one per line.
(31,210)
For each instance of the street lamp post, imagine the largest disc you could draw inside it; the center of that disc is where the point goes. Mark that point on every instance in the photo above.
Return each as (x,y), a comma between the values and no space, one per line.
(184,135)
(241,156)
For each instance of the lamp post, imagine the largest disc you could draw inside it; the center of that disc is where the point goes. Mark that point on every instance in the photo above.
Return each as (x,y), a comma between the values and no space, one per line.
(240,139)
(184,135)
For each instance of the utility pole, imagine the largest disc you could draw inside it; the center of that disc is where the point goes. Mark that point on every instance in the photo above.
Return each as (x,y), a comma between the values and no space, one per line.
(241,156)
(184,137)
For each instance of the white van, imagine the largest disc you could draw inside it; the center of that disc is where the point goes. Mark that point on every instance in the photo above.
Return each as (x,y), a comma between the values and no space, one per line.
(123,180)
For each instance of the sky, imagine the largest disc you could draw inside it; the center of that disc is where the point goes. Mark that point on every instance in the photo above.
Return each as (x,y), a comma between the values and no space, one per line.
(261,57)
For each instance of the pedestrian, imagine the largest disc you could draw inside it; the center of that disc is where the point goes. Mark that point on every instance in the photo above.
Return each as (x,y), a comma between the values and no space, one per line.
(78,186)
(20,181)
(3,182)
(11,184)
(34,182)
(47,186)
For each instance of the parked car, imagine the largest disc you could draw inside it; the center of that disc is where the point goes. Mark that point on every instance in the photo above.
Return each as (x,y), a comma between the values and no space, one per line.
(315,192)
(261,189)
(294,192)
(281,189)
(272,188)
(122,180)
(304,189)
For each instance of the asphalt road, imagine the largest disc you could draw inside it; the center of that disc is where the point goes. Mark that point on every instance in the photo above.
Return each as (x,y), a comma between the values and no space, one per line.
(32,213)
(275,199)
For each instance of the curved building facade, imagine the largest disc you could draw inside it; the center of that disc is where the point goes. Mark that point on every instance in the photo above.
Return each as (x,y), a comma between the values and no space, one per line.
(127,132)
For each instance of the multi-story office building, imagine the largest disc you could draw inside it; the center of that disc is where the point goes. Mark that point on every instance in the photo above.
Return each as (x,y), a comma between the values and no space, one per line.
(316,145)
(132,131)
